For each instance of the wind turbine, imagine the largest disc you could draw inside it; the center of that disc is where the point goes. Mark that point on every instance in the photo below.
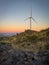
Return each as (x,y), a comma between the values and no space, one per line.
(31,18)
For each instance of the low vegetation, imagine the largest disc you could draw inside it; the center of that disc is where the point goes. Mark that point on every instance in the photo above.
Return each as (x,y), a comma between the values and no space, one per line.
(26,48)
(29,40)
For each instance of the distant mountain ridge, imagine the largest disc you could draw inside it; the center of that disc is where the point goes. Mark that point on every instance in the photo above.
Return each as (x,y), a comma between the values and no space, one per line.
(7,34)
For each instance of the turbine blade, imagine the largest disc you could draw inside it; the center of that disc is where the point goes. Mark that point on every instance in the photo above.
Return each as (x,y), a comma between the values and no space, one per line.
(34,20)
(26,19)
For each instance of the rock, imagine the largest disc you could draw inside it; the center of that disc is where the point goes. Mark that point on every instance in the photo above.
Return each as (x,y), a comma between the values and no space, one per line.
(10,56)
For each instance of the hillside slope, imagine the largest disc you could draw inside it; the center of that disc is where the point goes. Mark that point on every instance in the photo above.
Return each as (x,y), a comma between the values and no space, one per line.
(26,48)
(29,40)
(32,40)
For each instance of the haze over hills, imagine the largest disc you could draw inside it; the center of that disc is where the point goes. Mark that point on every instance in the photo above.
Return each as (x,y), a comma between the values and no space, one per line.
(7,34)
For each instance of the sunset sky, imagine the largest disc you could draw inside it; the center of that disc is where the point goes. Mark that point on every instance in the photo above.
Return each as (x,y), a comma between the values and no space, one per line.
(14,12)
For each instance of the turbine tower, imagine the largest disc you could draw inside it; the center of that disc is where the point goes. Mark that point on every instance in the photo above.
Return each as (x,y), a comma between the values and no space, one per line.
(31,18)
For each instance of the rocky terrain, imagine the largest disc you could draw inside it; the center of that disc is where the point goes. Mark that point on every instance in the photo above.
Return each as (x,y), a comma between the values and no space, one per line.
(10,56)
(26,48)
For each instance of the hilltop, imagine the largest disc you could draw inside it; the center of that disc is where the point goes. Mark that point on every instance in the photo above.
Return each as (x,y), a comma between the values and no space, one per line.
(32,40)
(29,40)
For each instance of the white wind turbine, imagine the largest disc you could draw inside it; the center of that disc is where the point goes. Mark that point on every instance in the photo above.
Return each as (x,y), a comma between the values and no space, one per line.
(31,18)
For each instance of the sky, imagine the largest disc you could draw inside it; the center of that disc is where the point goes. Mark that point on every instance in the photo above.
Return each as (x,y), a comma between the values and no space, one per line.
(14,12)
